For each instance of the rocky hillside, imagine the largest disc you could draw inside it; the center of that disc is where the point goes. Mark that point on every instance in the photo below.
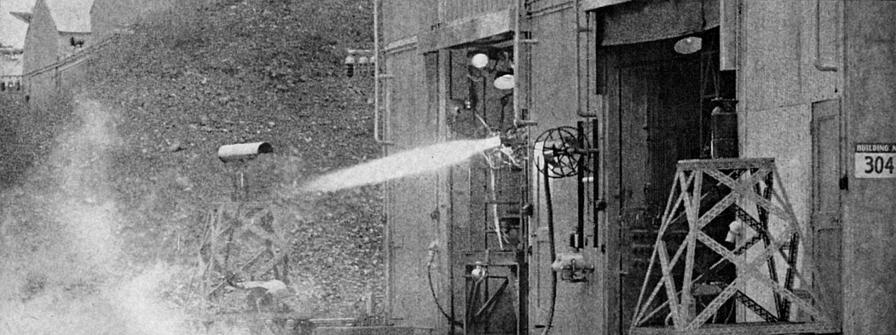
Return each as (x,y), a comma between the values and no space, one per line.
(170,93)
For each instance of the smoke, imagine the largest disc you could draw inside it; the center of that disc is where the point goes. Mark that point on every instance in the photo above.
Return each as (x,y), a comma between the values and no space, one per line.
(63,268)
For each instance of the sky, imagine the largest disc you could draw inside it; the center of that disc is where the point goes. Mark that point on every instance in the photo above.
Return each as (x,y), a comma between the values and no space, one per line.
(12,30)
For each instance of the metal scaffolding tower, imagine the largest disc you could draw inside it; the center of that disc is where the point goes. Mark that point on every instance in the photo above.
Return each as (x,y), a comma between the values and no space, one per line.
(745,199)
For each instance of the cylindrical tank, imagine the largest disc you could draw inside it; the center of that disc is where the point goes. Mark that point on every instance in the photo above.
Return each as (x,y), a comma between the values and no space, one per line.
(724,129)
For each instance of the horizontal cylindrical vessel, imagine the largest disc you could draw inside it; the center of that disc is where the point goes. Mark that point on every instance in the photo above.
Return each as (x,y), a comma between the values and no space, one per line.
(243,151)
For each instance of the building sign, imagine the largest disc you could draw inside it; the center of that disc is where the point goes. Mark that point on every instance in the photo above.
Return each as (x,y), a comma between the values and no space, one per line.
(875,160)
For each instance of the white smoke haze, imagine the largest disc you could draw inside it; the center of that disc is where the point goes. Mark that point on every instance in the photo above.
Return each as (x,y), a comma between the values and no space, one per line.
(62,267)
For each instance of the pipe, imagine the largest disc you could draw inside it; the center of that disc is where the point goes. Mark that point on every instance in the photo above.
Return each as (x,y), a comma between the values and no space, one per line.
(519,70)
(819,65)
(376,72)
(243,151)
(578,31)
(517,111)
(377,137)
(387,234)
(598,204)
(579,239)
(550,217)
(493,197)
(472,293)
(728,34)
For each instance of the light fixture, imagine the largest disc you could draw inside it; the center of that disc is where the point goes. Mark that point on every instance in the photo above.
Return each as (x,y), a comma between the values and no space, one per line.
(688,45)
(505,81)
(479,60)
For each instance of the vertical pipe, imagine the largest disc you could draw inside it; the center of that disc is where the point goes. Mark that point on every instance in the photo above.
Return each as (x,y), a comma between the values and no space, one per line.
(387,238)
(581,109)
(517,110)
(728,29)
(595,184)
(578,241)
(376,71)
(820,65)
(378,137)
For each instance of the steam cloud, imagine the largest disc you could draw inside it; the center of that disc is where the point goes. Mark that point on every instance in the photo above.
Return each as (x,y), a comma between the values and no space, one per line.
(62,269)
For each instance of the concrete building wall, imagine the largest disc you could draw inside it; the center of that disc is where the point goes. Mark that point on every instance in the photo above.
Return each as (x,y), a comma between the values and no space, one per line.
(796,56)
(786,48)
(41,40)
(869,225)
(778,84)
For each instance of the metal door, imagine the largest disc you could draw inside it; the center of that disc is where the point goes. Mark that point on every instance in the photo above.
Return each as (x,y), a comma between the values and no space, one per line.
(412,202)
(825,224)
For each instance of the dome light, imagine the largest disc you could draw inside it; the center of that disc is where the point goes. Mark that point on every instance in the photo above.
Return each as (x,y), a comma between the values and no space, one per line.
(505,82)
(688,45)
(479,60)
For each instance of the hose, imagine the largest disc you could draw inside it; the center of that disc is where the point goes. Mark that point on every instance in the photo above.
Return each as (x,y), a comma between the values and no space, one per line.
(550,216)
(435,299)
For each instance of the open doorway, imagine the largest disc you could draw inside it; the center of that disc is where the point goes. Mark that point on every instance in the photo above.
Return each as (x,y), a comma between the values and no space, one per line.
(660,104)
(489,267)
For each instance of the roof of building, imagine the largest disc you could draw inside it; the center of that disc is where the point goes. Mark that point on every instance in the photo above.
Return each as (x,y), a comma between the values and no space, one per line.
(24,16)
(71,15)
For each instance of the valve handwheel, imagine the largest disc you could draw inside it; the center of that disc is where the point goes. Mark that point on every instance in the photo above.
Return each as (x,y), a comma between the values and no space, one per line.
(561,152)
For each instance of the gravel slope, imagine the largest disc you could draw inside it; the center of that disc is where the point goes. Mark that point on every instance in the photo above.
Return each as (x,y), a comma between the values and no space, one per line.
(184,83)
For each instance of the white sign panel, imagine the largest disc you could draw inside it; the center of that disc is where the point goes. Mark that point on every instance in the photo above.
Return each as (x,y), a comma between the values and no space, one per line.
(875,160)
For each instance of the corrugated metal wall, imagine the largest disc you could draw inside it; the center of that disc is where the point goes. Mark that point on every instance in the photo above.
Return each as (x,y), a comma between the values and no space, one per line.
(450,10)
(412,201)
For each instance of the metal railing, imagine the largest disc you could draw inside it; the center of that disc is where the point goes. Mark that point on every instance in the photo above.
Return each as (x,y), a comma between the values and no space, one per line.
(73,59)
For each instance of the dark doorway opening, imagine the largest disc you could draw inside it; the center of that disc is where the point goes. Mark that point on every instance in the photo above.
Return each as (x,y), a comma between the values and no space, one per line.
(660,104)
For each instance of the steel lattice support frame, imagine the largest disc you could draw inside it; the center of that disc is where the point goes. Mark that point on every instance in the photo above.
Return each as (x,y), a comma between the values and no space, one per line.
(749,186)
(254,223)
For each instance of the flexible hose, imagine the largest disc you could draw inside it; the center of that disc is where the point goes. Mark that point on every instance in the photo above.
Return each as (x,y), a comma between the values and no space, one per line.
(435,299)
(550,217)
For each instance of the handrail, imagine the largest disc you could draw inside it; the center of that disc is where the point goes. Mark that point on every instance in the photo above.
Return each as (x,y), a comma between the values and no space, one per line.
(73,59)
